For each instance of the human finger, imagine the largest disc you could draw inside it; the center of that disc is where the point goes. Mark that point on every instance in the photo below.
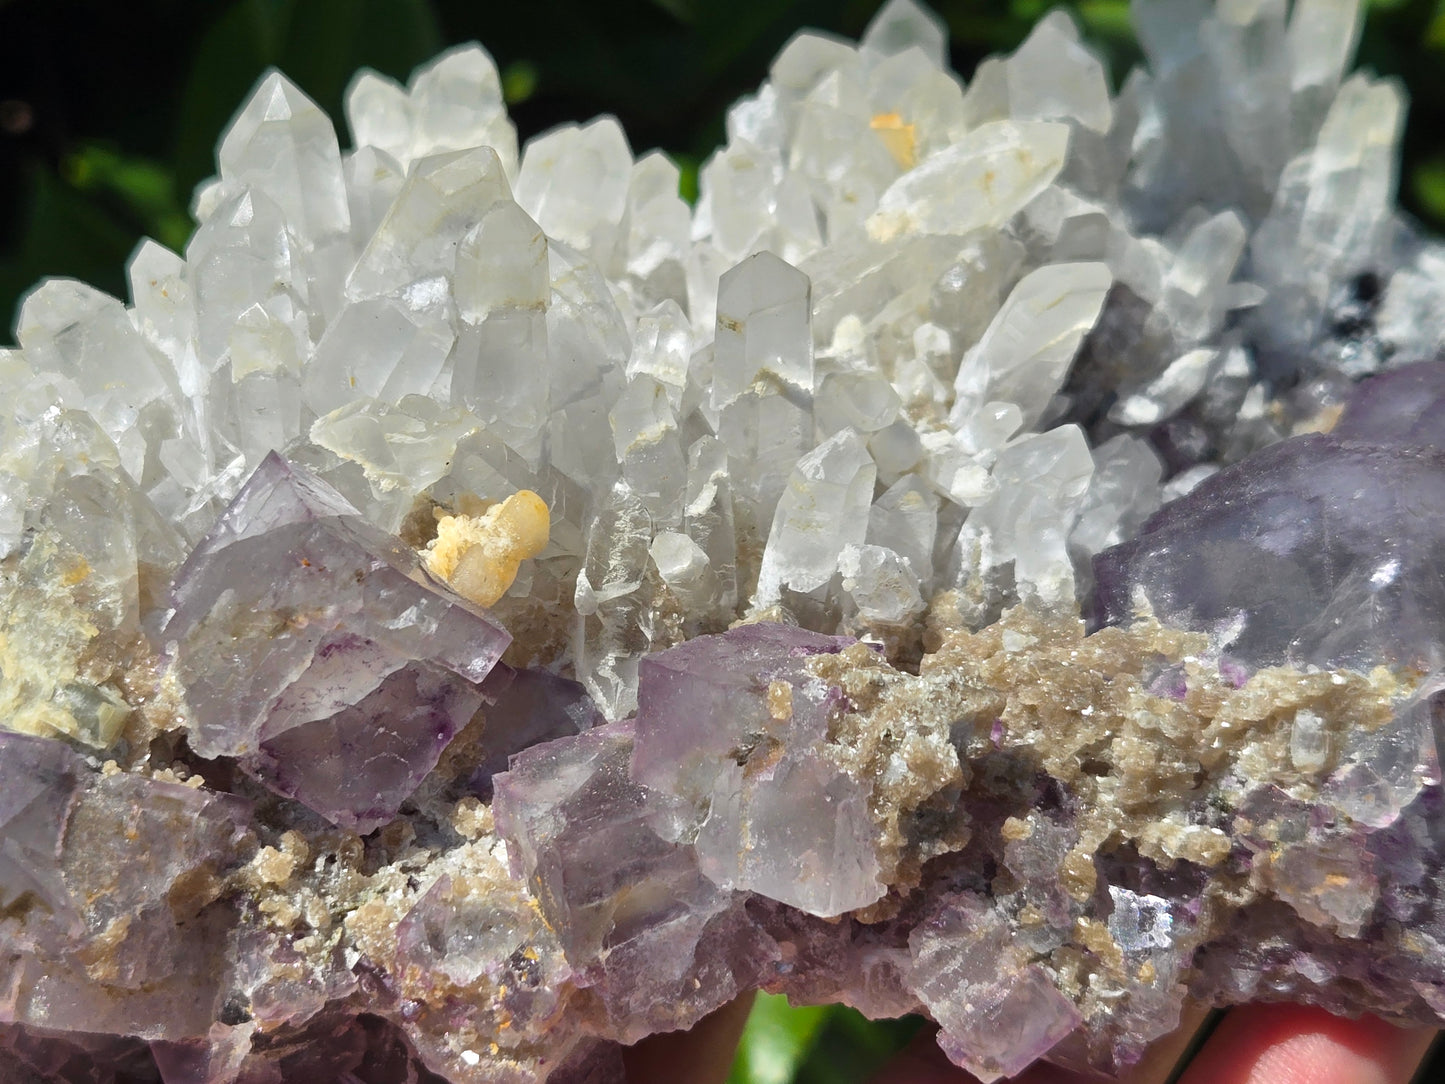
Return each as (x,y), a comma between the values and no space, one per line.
(1298,1044)
(701,1055)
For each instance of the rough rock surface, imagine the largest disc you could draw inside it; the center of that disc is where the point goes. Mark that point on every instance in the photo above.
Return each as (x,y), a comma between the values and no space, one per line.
(474,610)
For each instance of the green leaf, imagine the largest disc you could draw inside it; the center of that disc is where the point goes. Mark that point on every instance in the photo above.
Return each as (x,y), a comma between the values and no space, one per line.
(519,81)
(66,234)
(1427,184)
(852,1048)
(145,189)
(776,1040)
(1435,32)
(688,166)
(1106,18)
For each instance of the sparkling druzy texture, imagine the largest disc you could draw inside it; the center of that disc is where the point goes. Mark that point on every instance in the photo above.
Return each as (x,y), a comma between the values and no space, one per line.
(982,560)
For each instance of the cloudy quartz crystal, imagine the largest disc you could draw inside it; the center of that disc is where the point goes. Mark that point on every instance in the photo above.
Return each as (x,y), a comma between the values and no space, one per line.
(982,560)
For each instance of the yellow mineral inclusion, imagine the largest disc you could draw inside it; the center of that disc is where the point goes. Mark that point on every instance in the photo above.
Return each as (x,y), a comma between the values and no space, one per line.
(900,139)
(480,555)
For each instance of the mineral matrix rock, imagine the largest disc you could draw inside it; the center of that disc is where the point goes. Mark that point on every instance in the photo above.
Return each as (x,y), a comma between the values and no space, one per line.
(474,610)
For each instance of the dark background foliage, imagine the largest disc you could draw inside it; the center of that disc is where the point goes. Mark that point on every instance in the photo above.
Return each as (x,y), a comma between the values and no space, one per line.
(110,109)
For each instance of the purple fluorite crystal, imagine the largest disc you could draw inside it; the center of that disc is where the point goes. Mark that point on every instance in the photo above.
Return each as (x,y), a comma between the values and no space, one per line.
(41,780)
(654,940)
(315,649)
(1403,406)
(732,727)
(455,871)
(111,886)
(1317,550)
(531,707)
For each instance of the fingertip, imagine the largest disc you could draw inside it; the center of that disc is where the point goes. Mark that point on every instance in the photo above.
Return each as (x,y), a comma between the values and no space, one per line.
(701,1055)
(1299,1044)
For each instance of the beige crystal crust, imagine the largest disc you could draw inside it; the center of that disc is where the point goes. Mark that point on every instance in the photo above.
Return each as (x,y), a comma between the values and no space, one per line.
(1031,692)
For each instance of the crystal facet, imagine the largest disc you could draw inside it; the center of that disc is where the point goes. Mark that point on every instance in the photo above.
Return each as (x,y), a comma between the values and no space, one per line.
(473,610)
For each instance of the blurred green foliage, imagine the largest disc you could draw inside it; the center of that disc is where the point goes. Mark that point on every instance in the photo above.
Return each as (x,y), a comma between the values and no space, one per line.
(816,1044)
(109,112)
(109,115)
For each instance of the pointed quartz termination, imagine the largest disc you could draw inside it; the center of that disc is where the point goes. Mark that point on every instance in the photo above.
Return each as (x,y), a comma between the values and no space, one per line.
(1026,352)
(901,25)
(762,387)
(1306,242)
(611,598)
(245,255)
(1042,481)
(311,646)
(981,181)
(1322,37)
(649,449)
(384,347)
(450,104)
(445,195)
(732,726)
(85,336)
(282,141)
(573,180)
(1053,77)
(457,103)
(823,511)
(502,289)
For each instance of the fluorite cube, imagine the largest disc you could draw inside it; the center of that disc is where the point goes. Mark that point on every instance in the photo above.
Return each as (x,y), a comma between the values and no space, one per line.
(316,650)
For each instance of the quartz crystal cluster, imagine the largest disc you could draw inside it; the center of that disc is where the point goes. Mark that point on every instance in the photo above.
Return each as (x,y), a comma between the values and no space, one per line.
(473,610)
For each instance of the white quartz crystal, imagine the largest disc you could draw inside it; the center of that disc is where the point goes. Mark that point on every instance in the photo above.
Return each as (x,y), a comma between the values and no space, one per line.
(282,141)
(864,374)
(824,509)
(1025,353)
(979,182)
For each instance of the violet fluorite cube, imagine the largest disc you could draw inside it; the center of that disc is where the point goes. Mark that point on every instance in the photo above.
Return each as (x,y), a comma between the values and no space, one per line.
(636,917)
(39,783)
(315,649)
(1403,406)
(1316,550)
(732,727)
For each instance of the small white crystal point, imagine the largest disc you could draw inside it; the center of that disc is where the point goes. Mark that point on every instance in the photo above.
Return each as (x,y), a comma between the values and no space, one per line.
(501,264)
(1025,354)
(823,509)
(379,114)
(573,180)
(762,328)
(457,100)
(1052,76)
(444,196)
(980,181)
(282,141)
(906,24)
